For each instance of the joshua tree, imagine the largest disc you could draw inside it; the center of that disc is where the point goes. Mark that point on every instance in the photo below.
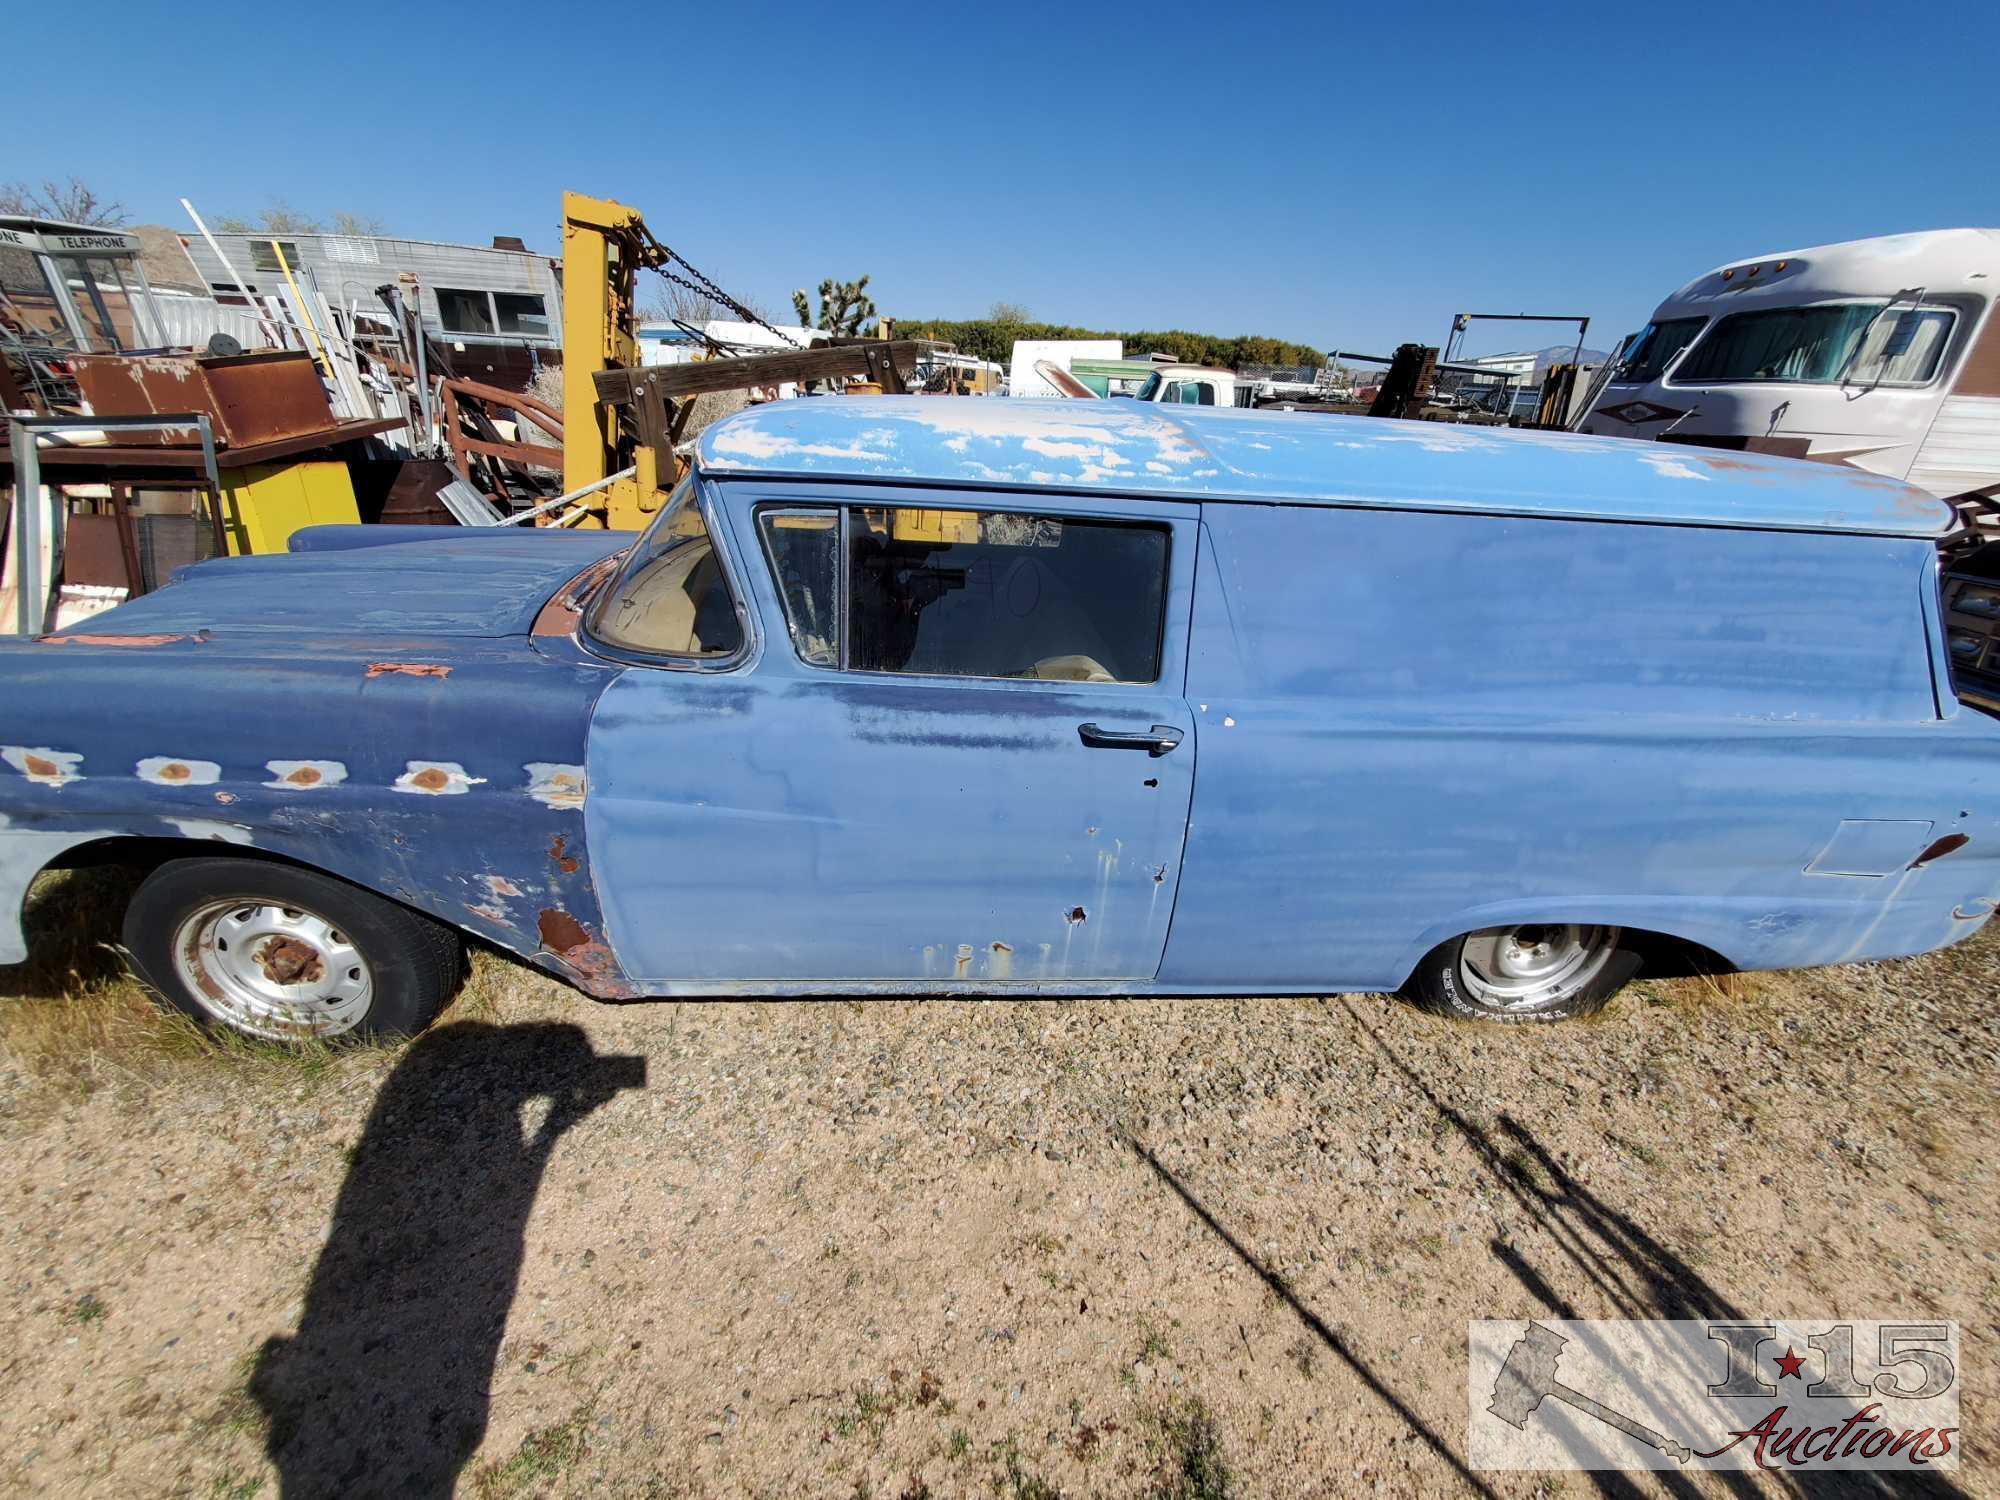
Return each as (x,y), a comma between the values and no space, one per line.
(844,306)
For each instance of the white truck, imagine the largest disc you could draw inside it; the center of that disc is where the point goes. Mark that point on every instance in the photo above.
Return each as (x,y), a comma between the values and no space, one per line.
(1195,385)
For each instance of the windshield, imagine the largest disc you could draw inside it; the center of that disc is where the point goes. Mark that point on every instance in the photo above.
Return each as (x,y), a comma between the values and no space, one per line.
(1654,349)
(1150,390)
(671,597)
(1859,341)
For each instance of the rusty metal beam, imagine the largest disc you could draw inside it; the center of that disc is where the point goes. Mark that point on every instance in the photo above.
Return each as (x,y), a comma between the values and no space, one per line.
(865,357)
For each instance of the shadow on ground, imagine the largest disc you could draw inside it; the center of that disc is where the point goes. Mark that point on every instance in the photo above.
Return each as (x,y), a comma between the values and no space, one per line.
(1629,1271)
(385,1387)
(71,921)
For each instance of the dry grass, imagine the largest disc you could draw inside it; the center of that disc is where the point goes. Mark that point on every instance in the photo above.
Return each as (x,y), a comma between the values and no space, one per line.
(74,1017)
(1148,1247)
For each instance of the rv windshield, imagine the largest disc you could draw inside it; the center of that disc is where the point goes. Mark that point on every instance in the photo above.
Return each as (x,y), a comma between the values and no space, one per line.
(1654,349)
(1821,346)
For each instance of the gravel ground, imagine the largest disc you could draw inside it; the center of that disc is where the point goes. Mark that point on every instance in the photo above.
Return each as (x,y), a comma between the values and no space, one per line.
(1134,1247)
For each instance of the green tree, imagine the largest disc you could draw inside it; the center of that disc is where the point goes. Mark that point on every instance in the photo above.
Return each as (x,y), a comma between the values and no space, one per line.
(844,307)
(988,338)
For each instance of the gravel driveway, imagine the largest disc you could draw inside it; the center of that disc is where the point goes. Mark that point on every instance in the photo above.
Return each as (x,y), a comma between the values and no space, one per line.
(942,1248)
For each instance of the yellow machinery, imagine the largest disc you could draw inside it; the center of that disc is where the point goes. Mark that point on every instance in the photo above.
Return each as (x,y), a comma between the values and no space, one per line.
(617,416)
(263,504)
(605,245)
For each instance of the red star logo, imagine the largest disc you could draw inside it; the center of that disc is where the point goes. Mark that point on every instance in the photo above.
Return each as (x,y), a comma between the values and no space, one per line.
(1788,1364)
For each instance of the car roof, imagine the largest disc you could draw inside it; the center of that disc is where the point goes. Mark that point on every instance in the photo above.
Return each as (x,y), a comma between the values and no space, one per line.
(1123,447)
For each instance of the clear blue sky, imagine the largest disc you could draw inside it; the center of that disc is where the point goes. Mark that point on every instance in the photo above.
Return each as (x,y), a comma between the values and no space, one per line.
(1335,174)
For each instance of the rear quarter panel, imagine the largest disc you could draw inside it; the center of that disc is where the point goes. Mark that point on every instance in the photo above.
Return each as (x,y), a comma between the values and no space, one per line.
(1413,725)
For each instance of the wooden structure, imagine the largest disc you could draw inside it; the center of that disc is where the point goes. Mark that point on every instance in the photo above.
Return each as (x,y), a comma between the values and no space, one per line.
(660,397)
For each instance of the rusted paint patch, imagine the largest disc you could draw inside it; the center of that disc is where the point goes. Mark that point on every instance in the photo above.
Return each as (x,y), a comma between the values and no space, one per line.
(304,775)
(208,828)
(554,784)
(111,640)
(491,913)
(963,960)
(561,932)
(1950,843)
(43,766)
(225,797)
(564,612)
(437,778)
(406,669)
(591,961)
(167,770)
(1076,915)
(500,885)
(567,863)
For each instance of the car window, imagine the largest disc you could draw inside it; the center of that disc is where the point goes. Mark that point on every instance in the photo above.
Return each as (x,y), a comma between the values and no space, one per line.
(804,551)
(966,593)
(671,597)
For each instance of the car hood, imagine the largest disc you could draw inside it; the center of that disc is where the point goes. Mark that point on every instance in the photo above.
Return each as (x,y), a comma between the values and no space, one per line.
(406,581)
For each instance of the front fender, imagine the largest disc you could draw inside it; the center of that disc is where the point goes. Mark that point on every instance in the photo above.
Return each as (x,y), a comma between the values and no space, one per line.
(446,775)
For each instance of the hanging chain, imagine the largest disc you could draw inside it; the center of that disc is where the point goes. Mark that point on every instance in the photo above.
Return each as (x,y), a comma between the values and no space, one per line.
(702,286)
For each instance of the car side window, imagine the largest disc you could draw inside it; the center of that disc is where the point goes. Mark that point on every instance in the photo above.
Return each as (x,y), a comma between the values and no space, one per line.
(964,593)
(804,550)
(671,597)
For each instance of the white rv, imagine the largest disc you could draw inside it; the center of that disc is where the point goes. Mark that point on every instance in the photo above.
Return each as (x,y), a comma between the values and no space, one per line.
(1880,353)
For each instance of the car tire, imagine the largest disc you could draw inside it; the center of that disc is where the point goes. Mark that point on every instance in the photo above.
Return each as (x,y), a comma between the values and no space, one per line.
(1525,973)
(280,953)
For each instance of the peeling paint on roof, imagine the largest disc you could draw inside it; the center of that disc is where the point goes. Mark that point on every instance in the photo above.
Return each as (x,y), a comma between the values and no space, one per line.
(1132,448)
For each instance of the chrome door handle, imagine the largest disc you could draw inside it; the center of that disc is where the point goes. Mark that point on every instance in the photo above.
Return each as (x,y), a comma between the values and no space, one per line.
(1156,741)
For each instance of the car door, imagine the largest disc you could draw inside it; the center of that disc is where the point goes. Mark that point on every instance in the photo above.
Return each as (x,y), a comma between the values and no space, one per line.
(955,749)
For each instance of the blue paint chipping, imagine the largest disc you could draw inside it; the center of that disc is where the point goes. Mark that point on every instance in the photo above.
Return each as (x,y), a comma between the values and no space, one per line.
(1127,447)
(1425,680)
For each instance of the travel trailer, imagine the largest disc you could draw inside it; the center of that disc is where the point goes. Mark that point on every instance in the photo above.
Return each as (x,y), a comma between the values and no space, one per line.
(1882,354)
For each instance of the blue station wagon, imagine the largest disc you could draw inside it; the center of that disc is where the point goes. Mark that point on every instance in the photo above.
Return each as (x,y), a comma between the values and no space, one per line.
(1005,697)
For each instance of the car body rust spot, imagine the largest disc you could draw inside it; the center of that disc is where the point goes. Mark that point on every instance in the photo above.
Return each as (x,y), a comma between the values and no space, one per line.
(567,863)
(135,641)
(564,612)
(561,932)
(43,765)
(1939,848)
(556,783)
(406,669)
(436,778)
(500,885)
(593,964)
(174,770)
(304,775)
